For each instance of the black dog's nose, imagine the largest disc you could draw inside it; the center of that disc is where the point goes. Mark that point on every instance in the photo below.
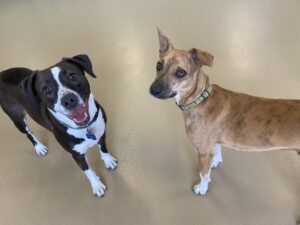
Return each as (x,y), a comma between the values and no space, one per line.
(156,89)
(69,101)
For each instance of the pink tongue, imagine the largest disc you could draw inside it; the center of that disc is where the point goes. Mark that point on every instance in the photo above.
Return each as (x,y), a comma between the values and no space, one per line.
(79,114)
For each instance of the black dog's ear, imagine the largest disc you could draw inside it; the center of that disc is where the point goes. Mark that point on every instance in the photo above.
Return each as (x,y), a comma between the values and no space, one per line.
(27,89)
(84,62)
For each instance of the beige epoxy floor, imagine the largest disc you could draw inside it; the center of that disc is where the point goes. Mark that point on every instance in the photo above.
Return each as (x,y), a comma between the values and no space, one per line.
(257,50)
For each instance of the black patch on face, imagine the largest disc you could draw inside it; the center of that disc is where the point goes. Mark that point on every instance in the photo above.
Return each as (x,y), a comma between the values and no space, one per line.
(72,77)
(45,82)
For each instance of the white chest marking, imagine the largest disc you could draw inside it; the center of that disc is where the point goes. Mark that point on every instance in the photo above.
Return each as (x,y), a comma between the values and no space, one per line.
(177,98)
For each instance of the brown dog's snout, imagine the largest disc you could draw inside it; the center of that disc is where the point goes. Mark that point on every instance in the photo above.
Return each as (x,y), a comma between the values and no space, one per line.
(156,89)
(161,91)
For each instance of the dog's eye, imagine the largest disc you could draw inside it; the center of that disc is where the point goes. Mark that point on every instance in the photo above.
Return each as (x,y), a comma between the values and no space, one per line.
(159,66)
(47,90)
(180,73)
(72,76)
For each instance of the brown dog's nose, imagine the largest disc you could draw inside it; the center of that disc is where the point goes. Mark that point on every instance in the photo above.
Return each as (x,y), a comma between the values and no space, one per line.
(156,89)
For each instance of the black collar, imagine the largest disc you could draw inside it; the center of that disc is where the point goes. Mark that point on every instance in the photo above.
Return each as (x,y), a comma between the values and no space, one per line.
(95,117)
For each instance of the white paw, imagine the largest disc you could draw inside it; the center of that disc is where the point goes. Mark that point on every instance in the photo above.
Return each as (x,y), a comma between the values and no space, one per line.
(98,188)
(217,159)
(201,188)
(40,149)
(215,162)
(109,161)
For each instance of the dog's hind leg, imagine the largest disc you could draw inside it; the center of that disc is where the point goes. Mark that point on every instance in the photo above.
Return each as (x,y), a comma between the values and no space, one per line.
(40,149)
(16,113)
(205,159)
(217,159)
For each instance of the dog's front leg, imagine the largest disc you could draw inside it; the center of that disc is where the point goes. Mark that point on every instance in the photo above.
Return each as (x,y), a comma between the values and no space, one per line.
(205,159)
(97,186)
(110,162)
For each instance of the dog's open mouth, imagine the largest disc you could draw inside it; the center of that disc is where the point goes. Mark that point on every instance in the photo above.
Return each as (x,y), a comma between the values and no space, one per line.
(80,115)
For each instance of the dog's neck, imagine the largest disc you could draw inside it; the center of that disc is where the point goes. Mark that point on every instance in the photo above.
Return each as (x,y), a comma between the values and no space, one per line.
(199,84)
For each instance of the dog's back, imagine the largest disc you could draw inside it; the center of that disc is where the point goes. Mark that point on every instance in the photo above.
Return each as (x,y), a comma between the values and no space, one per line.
(10,96)
(11,78)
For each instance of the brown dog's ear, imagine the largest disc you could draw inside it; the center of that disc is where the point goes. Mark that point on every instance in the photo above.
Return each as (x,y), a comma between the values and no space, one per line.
(83,61)
(202,58)
(164,43)
(27,89)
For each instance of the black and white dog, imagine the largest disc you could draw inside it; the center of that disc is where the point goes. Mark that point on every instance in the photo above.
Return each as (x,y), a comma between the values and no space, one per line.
(59,99)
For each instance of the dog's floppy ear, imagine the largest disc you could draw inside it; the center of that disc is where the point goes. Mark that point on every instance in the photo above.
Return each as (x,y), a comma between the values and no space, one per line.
(27,89)
(164,42)
(84,62)
(201,57)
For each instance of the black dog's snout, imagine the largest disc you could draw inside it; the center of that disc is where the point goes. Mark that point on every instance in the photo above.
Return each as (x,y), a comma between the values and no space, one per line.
(69,101)
(156,90)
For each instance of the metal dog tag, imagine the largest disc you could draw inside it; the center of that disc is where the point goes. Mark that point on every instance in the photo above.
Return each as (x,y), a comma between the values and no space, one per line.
(91,136)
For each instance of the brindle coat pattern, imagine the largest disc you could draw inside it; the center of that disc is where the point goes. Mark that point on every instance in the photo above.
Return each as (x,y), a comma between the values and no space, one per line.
(232,119)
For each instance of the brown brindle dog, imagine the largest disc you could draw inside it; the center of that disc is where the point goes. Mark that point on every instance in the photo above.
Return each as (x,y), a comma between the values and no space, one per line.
(215,116)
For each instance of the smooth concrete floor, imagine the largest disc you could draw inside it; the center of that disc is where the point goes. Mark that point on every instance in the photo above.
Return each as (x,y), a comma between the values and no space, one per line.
(256,45)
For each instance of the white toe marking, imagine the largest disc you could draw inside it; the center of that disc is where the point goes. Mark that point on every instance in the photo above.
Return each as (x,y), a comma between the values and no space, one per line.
(96,184)
(217,159)
(202,187)
(41,149)
(109,161)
